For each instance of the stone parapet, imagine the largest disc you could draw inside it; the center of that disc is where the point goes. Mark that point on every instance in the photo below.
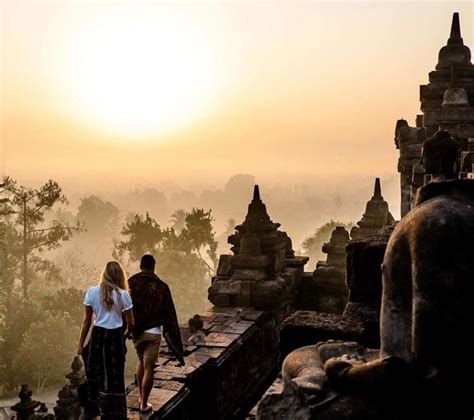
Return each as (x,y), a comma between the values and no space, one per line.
(224,374)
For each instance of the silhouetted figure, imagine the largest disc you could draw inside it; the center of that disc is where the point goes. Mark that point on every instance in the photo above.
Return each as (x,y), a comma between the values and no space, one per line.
(105,375)
(154,314)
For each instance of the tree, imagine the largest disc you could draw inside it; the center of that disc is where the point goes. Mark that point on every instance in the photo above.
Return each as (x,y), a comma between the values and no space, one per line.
(66,301)
(199,232)
(74,269)
(7,262)
(14,323)
(99,217)
(26,208)
(144,236)
(187,278)
(180,256)
(312,246)
(178,219)
(47,349)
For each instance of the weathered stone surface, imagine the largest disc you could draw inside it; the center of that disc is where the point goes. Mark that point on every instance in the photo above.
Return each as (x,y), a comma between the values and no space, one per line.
(364,277)
(303,391)
(167,403)
(273,406)
(328,285)
(308,327)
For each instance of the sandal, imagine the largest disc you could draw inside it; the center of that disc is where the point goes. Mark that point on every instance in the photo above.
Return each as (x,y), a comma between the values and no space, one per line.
(147,409)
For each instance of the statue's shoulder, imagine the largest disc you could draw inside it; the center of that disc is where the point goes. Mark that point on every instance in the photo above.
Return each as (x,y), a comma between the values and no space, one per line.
(460,189)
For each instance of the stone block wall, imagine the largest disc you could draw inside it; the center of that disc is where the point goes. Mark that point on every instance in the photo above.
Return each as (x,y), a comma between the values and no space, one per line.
(224,374)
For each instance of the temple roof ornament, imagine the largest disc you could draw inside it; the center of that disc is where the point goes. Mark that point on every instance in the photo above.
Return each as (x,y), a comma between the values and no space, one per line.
(455,53)
(257,214)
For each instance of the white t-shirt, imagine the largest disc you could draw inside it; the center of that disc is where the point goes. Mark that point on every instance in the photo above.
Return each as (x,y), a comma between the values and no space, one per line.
(109,319)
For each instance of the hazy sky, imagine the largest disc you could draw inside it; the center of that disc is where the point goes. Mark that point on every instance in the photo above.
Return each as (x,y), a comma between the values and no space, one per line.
(201,91)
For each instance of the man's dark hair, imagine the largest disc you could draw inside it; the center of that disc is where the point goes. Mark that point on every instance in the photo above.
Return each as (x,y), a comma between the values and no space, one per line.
(147,262)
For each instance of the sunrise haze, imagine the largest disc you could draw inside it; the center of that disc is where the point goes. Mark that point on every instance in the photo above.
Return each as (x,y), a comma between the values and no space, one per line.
(146,92)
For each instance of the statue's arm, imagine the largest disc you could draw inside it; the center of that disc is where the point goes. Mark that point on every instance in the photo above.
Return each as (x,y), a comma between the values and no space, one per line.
(396,310)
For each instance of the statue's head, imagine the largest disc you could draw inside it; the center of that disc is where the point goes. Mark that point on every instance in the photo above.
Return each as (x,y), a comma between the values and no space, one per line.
(439,154)
(400,130)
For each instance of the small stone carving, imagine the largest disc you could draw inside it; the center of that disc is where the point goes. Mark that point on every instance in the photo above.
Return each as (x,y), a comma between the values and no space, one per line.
(195,325)
(67,405)
(27,406)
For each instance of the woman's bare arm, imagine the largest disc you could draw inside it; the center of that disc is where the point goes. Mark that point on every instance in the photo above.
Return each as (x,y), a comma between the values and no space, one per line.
(86,325)
(130,322)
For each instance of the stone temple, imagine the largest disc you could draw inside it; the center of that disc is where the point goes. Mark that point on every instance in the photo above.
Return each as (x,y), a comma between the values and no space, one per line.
(345,339)
(447,102)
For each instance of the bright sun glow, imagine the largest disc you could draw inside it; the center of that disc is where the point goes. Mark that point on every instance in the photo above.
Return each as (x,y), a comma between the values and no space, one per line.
(136,75)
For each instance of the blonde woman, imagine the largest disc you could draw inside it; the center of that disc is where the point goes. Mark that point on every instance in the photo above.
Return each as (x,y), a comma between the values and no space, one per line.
(105,359)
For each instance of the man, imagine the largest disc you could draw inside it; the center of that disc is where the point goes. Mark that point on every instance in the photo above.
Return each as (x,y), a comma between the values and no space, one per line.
(154,314)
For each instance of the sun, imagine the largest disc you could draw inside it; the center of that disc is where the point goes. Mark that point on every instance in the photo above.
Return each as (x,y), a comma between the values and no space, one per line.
(136,75)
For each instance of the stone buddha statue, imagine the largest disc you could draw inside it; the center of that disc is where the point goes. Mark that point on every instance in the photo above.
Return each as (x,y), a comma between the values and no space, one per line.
(427,275)
(438,156)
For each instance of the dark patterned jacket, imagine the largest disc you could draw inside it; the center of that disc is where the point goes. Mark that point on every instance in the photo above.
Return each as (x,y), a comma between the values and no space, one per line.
(153,307)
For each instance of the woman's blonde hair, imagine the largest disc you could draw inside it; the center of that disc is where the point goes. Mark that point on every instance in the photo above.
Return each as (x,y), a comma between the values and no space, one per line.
(113,278)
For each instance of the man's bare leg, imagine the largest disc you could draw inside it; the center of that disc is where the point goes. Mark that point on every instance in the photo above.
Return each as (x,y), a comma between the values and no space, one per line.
(147,382)
(139,374)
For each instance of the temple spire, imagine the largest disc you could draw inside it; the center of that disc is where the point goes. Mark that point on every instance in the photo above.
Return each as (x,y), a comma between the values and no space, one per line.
(257,210)
(455,27)
(256,193)
(377,189)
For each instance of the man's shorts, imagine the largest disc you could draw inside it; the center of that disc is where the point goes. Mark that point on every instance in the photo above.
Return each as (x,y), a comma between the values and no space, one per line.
(147,346)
